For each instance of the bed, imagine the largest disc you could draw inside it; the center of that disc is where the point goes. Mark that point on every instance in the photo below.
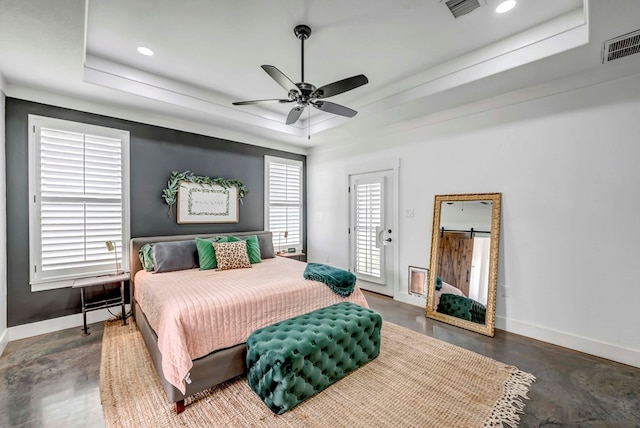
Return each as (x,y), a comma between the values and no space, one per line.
(200,357)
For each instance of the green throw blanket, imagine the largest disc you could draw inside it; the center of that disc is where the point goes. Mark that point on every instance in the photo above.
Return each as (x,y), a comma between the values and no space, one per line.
(338,280)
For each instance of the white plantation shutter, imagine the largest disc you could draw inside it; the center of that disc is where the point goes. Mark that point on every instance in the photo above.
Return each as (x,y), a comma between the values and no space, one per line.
(79,199)
(367,223)
(283,196)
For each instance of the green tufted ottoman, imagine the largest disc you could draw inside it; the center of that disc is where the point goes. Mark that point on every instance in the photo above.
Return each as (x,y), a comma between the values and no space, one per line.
(294,359)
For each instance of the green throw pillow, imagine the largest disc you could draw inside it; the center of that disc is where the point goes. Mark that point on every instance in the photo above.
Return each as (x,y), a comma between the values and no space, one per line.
(253,249)
(146,257)
(206,253)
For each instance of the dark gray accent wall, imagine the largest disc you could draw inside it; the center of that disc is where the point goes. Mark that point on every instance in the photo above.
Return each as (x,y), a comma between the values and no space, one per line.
(154,153)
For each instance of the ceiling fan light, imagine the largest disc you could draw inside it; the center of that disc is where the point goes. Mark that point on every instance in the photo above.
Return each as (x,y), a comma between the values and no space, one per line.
(506,6)
(304,94)
(145,51)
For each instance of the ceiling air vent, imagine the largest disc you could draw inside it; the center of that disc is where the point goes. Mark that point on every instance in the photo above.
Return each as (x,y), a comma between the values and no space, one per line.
(462,7)
(625,45)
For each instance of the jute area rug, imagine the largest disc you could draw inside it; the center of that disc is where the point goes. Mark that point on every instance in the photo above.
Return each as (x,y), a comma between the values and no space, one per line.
(417,381)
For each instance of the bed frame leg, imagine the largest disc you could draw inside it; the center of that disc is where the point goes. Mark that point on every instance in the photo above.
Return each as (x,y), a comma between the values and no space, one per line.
(179,406)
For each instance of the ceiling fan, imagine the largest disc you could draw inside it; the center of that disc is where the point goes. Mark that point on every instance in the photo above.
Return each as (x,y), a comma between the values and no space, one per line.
(304,94)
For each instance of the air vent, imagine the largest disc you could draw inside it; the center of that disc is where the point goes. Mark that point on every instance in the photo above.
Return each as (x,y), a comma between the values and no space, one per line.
(459,8)
(620,47)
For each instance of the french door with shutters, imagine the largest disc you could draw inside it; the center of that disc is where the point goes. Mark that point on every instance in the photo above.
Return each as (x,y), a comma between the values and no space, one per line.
(371,234)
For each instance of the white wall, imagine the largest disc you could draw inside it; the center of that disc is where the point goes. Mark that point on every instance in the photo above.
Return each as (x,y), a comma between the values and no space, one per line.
(568,167)
(3,230)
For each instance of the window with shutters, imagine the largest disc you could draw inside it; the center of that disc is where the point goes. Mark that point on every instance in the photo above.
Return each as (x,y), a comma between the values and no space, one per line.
(283,202)
(367,222)
(79,191)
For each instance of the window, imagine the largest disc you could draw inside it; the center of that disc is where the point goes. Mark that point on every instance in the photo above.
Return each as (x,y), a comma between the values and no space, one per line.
(283,202)
(79,193)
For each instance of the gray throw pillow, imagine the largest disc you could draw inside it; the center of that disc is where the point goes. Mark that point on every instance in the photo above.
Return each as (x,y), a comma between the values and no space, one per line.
(266,246)
(176,255)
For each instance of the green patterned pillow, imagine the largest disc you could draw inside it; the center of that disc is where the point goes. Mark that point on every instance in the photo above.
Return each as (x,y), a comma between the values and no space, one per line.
(146,257)
(206,252)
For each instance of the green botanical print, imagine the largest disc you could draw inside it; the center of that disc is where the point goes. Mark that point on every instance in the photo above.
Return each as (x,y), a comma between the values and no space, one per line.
(170,193)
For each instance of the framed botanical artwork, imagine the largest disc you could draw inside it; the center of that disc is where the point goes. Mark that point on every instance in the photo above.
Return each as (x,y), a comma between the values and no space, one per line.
(207,203)
(418,280)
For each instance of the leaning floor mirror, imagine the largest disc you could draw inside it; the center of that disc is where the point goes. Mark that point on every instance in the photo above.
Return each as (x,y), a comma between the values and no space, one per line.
(464,261)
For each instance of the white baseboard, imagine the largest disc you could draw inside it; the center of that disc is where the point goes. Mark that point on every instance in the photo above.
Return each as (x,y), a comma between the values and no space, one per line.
(56,324)
(567,340)
(4,340)
(411,299)
(560,338)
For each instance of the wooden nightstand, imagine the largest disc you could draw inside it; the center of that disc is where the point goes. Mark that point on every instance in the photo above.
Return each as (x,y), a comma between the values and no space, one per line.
(301,257)
(84,283)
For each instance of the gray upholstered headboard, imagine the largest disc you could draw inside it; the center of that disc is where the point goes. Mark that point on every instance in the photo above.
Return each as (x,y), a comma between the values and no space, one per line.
(136,243)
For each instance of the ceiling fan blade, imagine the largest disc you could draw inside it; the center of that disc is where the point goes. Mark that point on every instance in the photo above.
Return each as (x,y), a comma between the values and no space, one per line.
(244,103)
(280,78)
(334,108)
(294,115)
(340,86)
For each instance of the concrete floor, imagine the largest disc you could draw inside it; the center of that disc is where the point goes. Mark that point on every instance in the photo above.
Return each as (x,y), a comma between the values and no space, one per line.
(53,380)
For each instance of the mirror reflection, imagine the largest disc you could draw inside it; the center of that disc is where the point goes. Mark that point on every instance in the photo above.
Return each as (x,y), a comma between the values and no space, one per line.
(462,285)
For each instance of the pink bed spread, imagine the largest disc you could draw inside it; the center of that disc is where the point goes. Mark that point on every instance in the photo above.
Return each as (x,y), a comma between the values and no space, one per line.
(197,312)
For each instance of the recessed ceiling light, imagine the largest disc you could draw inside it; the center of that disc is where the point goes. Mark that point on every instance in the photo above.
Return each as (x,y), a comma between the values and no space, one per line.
(506,6)
(145,51)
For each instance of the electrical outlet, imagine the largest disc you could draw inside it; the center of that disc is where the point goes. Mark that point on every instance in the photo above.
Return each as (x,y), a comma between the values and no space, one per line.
(410,213)
(506,291)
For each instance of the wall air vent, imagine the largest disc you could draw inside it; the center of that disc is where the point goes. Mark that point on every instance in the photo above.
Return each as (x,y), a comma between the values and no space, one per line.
(462,7)
(625,45)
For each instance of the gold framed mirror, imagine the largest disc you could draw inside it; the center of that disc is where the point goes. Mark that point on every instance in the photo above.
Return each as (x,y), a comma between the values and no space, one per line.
(463,270)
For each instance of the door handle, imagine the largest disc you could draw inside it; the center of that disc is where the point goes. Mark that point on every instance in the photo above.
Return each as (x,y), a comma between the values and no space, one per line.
(379,241)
